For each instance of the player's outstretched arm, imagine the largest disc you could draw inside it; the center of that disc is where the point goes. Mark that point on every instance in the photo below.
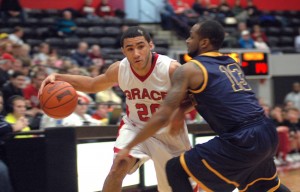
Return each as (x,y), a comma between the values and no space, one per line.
(85,83)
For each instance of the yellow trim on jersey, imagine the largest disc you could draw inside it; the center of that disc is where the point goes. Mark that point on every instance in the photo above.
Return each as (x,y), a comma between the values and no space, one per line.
(185,167)
(205,77)
(212,54)
(275,188)
(271,190)
(219,174)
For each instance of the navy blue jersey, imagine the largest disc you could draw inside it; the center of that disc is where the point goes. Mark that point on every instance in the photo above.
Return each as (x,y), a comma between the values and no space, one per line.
(225,99)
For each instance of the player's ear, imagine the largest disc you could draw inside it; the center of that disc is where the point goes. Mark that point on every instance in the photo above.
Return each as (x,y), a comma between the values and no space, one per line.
(204,43)
(151,45)
(122,50)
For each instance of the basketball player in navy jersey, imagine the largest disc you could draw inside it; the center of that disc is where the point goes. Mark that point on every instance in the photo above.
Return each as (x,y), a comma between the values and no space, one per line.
(241,156)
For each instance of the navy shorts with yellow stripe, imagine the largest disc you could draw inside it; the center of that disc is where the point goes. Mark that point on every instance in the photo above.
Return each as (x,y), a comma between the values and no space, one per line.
(243,160)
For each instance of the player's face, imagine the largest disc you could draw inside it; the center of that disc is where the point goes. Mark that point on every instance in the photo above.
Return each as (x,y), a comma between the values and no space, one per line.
(193,42)
(138,52)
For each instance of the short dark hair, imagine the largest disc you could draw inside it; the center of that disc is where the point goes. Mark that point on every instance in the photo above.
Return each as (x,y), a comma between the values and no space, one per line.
(135,31)
(16,74)
(212,30)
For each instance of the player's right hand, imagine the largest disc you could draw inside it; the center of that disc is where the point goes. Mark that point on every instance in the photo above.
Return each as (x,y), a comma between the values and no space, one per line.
(176,124)
(49,79)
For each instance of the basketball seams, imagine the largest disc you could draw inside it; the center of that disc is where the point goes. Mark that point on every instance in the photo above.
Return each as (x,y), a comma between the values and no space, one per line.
(60,101)
(53,94)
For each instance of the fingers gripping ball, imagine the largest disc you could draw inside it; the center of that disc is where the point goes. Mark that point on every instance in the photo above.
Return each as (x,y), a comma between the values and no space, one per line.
(58,99)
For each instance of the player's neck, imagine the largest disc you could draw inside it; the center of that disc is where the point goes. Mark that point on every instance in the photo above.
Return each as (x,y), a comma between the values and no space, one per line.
(145,70)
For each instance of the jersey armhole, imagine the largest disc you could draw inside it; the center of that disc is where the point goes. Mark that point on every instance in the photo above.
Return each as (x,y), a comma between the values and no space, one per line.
(205,78)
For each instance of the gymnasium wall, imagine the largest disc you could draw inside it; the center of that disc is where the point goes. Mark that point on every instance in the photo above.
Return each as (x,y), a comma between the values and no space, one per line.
(59,4)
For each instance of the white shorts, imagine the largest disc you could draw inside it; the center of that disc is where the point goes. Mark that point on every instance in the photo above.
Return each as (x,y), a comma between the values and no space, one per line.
(160,148)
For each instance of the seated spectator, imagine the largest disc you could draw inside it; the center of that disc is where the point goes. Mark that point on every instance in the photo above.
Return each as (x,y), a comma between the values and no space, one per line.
(88,10)
(3,38)
(252,12)
(13,87)
(65,26)
(16,36)
(294,96)
(80,56)
(12,8)
(293,123)
(101,113)
(167,14)
(43,53)
(183,10)
(267,19)
(6,63)
(31,92)
(237,8)
(16,110)
(105,9)
(96,55)
(224,9)
(230,41)
(6,47)
(198,7)
(5,129)
(261,44)
(297,41)
(80,116)
(257,32)
(107,95)
(246,41)
(241,26)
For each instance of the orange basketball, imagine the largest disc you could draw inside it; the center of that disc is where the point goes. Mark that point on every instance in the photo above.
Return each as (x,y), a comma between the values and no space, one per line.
(58,99)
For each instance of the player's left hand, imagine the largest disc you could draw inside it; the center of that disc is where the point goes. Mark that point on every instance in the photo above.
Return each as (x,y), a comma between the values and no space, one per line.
(121,155)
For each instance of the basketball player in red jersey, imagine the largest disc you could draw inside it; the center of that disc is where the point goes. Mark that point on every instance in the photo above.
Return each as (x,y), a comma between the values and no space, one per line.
(144,77)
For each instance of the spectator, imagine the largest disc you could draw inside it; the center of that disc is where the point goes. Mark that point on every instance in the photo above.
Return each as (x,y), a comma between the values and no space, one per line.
(107,95)
(257,32)
(96,56)
(13,87)
(6,62)
(252,12)
(294,95)
(31,91)
(105,9)
(6,128)
(261,44)
(230,41)
(7,47)
(224,9)
(297,41)
(16,36)
(101,112)
(43,53)
(66,26)
(12,8)
(16,110)
(3,38)
(88,10)
(246,41)
(237,8)
(198,7)
(167,14)
(80,116)
(81,57)
(293,123)
(241,26)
